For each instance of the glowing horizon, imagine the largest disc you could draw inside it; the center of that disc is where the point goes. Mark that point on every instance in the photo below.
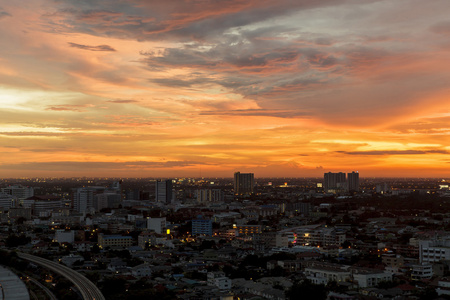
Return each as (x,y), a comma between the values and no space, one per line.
(197,89)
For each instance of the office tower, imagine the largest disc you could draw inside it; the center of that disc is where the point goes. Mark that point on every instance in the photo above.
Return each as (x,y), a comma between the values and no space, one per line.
(243,183)
(353,181)
(332,182)
(163,191)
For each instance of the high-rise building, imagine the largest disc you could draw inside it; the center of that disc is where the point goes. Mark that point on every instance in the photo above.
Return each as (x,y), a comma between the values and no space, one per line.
(332,182)
(107,200)
(163,191)
(243,183)
(210,195)
(83,198)
(353,181)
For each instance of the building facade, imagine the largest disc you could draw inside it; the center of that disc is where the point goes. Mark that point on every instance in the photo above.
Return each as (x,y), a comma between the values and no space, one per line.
(201,227)
(353,181)
(334,182)
(243,183)
(163,191)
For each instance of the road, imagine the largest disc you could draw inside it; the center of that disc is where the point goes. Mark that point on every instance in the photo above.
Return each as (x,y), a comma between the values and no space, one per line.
(44,288)
(88,290)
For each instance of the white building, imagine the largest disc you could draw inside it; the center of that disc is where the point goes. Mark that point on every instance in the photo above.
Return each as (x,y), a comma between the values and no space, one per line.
(83,198)
(431,251)
(18,191)
(370,277)
(422,271)
(443,287)
(218,279)
(319,273)
(158,225)
(62,236)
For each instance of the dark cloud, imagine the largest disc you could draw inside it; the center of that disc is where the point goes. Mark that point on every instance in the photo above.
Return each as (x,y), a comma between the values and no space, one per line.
(31,133)
(92,48)
(259,112)
(394,152)
(441,28)
(175,82)
(123,101)
(180,19)
(74,108)
(4,14)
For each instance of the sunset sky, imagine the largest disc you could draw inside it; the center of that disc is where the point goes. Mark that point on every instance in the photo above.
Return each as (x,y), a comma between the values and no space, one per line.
(207,87)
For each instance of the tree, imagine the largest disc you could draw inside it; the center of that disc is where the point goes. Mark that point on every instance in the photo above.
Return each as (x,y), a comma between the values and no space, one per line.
(306,290)
(95,249)
(113,285)
(14,240)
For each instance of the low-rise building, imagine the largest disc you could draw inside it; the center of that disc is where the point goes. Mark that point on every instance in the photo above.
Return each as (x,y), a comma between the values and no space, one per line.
(421,271)
(370,277)
(114,241)
(322,273)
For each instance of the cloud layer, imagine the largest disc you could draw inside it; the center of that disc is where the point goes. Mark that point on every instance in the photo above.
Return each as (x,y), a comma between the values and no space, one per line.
(280,88)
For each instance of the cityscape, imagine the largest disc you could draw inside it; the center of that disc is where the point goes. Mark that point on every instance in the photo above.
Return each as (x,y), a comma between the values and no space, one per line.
(224,150)
(242,237)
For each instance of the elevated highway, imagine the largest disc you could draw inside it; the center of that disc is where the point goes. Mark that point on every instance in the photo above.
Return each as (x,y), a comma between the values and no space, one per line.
(88,290)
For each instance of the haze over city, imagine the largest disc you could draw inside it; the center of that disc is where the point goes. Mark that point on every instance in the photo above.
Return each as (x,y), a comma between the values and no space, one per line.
(207,88)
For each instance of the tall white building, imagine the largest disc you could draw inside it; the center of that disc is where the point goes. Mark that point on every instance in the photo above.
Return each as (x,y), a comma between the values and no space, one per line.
(83,198)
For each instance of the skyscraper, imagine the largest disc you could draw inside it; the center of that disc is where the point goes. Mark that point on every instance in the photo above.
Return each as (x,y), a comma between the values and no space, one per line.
(243,183)
(353,181)
(163,191)
(333,182)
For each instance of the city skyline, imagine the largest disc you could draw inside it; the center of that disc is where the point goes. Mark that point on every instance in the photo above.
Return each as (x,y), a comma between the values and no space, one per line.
(197,89)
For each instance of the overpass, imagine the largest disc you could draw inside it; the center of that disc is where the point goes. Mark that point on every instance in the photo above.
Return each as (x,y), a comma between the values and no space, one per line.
(88,290)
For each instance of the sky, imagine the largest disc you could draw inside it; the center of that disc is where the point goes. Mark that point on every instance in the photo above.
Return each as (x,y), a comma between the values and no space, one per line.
(205,88)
